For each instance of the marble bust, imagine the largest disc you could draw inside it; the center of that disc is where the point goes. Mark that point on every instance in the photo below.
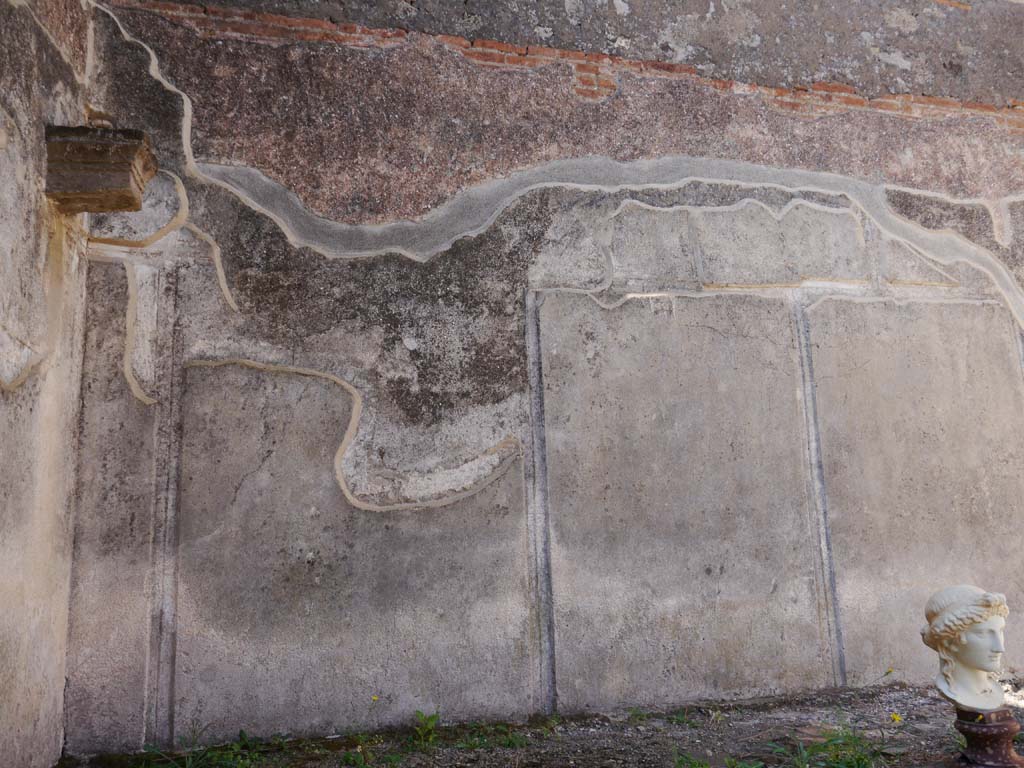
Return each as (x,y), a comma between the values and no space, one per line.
(965,627)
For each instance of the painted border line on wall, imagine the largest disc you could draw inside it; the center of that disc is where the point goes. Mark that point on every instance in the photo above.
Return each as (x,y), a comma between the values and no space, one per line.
(160,673)
(814,455)
(538,515)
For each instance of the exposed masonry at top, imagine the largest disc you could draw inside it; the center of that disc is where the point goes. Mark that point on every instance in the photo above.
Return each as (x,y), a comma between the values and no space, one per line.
(595,74)
(474,209)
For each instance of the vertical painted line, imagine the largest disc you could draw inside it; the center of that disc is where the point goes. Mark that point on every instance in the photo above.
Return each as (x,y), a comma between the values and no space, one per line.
(1019,336)
(538,518)
(820,496)
(164,547)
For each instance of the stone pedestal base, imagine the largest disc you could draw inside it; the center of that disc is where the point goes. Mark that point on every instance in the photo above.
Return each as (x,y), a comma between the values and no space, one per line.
(989,737)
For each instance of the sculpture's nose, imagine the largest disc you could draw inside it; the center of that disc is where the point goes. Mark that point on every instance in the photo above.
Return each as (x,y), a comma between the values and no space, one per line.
(997,644)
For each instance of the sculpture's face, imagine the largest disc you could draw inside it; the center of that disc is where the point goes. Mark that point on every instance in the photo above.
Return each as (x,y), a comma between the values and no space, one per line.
(982,647)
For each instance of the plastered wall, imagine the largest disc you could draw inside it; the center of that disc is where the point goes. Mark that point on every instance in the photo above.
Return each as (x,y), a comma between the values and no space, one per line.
(494,381)
(41,299)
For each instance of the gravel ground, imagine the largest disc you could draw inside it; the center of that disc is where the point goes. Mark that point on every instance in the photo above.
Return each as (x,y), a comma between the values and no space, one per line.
(913,724)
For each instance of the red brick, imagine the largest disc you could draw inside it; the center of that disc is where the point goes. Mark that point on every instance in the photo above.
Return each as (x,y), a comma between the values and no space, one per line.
(497,45)
(977,106)
(934,101)
(525,61)
(888,105)
(454,40)
(289,21)
(591,69)
(588,93)
(573,55)
(852,101)
(160,7)
(607,82)
(226,13)
(600,58)
(721,85)
(833,87)
(540,50)
(585,79)
(660,66)
(486,57)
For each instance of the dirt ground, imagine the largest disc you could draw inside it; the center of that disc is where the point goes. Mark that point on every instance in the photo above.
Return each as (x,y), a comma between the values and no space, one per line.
(911,726)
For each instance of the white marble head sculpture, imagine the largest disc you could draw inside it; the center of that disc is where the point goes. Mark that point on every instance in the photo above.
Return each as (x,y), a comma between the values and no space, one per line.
(965,627)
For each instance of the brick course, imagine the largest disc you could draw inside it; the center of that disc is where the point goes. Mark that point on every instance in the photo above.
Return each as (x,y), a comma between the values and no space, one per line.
(595,76)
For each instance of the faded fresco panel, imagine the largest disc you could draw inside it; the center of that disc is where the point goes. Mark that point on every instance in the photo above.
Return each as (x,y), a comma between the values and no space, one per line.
(683,542)
(296,610)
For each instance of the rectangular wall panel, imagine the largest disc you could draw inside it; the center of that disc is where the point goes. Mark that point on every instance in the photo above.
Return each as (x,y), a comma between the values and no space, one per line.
(685,554)
(921,412)
(295,610)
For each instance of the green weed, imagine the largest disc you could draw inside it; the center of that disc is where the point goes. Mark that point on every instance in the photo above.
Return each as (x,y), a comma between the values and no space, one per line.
(686,761)
(637,715)
(682,717)
(425,729)
(242,753)
(842,748)
(482,736)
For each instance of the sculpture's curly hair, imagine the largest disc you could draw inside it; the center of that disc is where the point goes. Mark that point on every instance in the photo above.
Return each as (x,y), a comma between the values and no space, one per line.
(950,612)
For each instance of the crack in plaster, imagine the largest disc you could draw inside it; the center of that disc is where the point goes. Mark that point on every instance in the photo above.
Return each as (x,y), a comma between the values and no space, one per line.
(504,453)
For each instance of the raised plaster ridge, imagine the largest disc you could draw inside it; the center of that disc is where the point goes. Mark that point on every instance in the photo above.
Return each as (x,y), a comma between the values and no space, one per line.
(471,211)
(177,221)
(218,264)
(474,210)
(131,314)
(505,452)
(186,143)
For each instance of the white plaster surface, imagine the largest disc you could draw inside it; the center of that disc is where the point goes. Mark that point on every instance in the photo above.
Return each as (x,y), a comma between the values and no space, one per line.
(921,408)
(683,546)
(425,611)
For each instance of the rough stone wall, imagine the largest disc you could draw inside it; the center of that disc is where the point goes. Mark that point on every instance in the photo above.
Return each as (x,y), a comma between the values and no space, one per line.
(455,374)
(963,50)
(41,298)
